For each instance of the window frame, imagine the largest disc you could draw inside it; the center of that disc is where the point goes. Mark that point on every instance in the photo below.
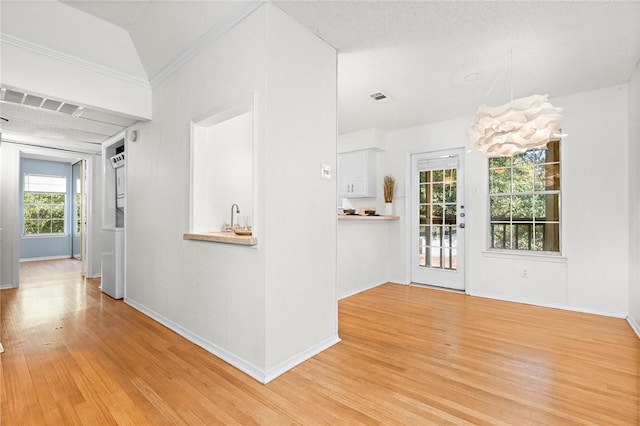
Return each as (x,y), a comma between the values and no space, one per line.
(533,193)
(51,218)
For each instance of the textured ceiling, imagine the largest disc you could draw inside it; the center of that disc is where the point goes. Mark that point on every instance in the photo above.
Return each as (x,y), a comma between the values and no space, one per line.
(36,120)
(418,53)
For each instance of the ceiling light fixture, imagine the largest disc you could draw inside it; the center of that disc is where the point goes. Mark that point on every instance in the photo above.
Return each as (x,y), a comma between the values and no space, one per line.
(513,128)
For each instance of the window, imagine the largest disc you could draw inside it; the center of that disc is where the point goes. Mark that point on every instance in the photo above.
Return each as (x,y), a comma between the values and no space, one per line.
(524,200)
(44,204)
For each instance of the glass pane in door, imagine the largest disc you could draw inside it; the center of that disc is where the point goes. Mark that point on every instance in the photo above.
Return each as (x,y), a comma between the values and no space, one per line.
(438,219)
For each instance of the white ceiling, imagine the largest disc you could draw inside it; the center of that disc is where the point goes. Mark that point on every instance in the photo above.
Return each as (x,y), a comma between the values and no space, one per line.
(418,53)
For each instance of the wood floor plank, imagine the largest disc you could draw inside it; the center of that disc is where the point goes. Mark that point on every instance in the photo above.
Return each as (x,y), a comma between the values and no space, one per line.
(408,355)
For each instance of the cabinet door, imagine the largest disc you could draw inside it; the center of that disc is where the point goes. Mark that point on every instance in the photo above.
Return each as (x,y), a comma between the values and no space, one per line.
(356,174)
(345,165)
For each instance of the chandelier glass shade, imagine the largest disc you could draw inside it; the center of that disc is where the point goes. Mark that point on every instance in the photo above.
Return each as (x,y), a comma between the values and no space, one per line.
(513,128)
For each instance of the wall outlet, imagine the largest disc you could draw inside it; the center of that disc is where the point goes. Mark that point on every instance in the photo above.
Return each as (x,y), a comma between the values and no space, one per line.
(524,273)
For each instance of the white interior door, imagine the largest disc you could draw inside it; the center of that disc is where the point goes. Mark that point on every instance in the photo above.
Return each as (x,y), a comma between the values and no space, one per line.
(437,218)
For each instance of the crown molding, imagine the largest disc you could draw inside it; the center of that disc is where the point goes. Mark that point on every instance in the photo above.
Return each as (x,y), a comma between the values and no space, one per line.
(207,39)
(74,60)
(199,45)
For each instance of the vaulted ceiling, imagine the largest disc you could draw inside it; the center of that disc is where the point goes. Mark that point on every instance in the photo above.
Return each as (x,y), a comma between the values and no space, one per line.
(434,60)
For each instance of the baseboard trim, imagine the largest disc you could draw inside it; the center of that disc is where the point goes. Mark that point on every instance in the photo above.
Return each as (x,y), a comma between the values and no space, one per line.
(303,356)
(350,293)
(229,358)
(546,305)
(634,325)
(37,259)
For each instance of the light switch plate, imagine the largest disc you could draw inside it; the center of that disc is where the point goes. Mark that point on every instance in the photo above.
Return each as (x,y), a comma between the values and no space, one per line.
(325,171)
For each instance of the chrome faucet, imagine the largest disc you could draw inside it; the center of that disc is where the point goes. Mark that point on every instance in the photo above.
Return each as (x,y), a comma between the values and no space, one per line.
(237,212)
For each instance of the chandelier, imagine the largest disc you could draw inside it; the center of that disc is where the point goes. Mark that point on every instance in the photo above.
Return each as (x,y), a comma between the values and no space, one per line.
(513,128)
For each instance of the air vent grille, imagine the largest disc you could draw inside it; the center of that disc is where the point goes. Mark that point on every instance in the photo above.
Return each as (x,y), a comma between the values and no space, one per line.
(13,96)
(378,96)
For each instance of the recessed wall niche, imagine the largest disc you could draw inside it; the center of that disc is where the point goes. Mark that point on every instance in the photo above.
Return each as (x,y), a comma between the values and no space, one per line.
(222,167)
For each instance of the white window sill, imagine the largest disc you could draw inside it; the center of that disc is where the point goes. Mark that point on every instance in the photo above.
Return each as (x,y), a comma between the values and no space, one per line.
(526,255)
(36,236)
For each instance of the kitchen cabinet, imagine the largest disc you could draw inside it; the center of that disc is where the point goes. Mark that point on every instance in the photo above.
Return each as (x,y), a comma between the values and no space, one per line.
(357,174)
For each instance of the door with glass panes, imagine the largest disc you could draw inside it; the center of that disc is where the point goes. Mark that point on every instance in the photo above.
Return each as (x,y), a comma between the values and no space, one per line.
(437,219)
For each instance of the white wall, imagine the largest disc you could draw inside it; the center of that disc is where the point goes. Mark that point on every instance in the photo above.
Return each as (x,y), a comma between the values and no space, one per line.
(300,215)
(266,308)
(593,273)
(634,200)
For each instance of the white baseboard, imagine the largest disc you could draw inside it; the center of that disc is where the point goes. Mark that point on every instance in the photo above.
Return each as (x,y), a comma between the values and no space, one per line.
(295,360)
(545,305)
(634,325)
(350,293)
(224,355)
(6,286)
(36,259)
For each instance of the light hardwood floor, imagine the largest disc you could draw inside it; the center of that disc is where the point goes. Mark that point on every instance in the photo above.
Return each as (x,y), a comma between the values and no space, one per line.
(408,356)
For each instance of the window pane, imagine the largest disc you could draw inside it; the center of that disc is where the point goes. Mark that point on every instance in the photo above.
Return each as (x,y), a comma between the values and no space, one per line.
(501,235)
(547,177)
(57,226)
(450,175)
(500,208)
(436,236)
(425,177)
(44,212)
(538,243)
(450,214)
(438,193)
(424,193)
(436,258)
(438,176)
(424,214)
(424,235)
(523,237)
(522,207)
(547,207)
(57,212)
(450,236)
(499,162)
(437,215)
(450,192)
(57,198)
(44,226)
(499,180)
(523,178)
(30,227)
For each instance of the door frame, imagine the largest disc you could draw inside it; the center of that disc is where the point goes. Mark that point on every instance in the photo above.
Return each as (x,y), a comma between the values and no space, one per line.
(408,231)
(53,154)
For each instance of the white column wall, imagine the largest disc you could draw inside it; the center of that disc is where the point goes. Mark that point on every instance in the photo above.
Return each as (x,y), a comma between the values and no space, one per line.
(300,215)
(9,219)
(263,309)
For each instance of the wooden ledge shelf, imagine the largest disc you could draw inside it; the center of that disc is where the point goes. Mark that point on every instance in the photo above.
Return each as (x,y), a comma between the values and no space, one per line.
(363,217)
(221,237)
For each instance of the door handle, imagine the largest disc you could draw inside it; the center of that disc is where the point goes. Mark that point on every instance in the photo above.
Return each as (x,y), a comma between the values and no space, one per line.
(461,225)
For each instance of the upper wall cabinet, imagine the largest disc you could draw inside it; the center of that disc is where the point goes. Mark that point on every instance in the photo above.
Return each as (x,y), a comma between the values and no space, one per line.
(357,174)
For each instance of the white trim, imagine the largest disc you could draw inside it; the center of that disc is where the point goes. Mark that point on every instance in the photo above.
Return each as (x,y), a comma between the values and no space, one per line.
(301,357)
(634,325)
(6,286)
(74,60)
(525,255)
(203,42)
(545,305)
(36,259)
(350,293)
(224,355)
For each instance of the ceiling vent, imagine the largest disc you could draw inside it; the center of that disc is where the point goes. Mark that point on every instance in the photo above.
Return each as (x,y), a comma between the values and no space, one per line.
(33,101)
(378,96)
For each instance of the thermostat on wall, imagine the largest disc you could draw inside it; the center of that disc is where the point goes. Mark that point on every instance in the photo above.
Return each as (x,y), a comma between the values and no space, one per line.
(117,160)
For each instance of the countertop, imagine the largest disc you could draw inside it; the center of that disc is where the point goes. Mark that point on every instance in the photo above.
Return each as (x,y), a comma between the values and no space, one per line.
(364,217)
(221,237)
